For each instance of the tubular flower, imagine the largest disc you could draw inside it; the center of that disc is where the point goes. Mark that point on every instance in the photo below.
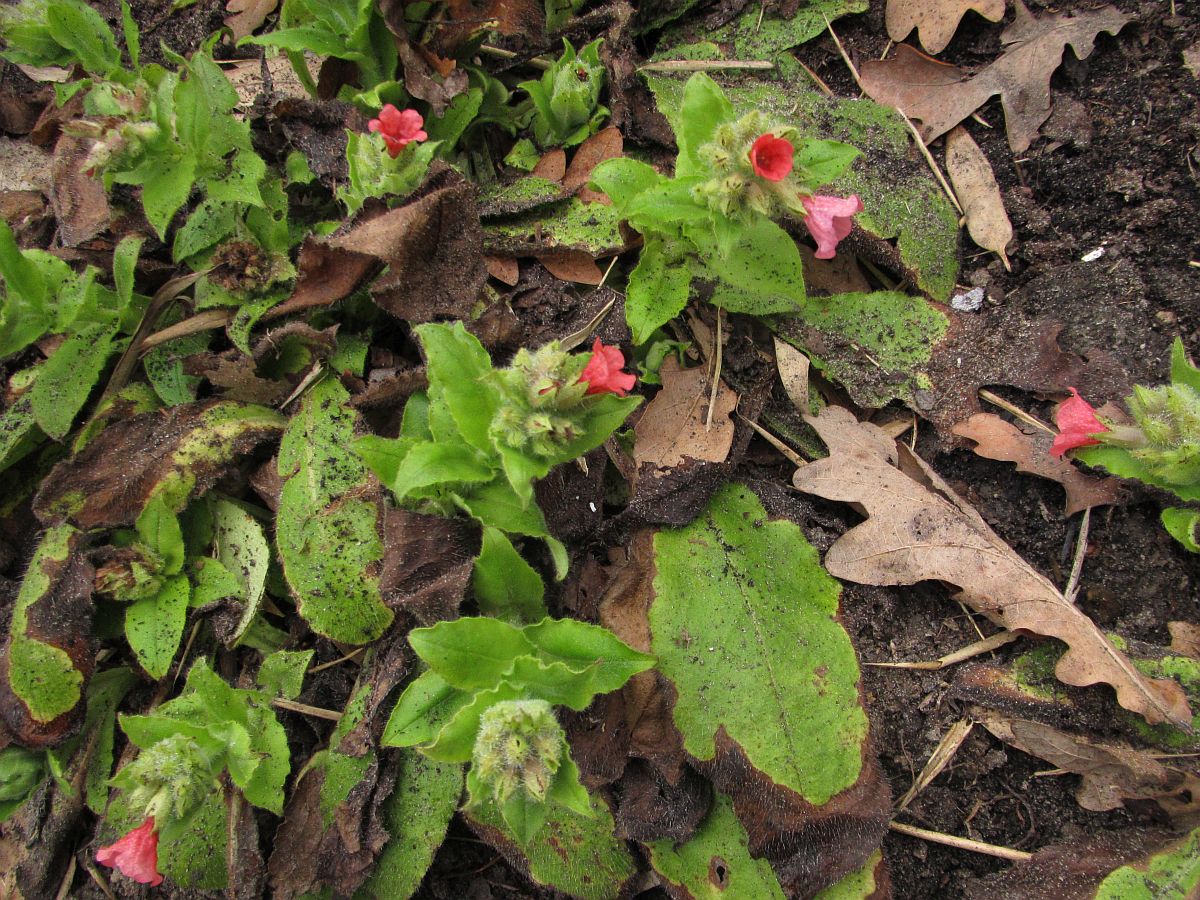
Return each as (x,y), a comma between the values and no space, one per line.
(771,157)
(603,373)
(136,854)
(1077,422)
(829,220)
(399,128)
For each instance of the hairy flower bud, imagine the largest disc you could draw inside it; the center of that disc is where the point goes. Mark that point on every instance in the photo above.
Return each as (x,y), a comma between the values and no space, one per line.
(168,779)
(1169,417)
(519,746)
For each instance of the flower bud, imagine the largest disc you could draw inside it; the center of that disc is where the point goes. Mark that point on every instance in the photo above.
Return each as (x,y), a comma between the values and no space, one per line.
(168,779)
(519,746)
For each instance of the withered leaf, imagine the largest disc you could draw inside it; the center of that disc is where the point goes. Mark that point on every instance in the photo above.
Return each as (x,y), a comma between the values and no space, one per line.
(1185,638)
(942,96)
(919,530)
(604,144)
(433,249)
(182,450)
(247,15)
(935,20)
(1110,773)
(997,439)
(975,185)
(673,425)
(552,166)
(80,202)
(427,563)
(571,265)
(425,82)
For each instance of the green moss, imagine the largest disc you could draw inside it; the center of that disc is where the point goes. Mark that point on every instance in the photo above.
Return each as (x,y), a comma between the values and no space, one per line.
(574,225)
(1187,672)
(520,196)
(1033,671)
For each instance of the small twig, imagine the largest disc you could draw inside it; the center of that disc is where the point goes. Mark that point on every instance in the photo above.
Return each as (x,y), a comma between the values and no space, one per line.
(704,65)
(187,649)
(162,298)
(209,319)
(997,400)
(937,172)
(988,644)
(536,62)
(314,375)
(1072,588)
(826,89)
(951,840)
(938,760)
(573,340)
(716,377)
(845,55)
(792,456)
(336,662)
(303,708)
(971,619)
(100,880)
(64,887)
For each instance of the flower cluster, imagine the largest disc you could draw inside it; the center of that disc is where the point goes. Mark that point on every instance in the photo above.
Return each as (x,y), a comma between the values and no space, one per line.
(519,747)
(754,171)
(399,127)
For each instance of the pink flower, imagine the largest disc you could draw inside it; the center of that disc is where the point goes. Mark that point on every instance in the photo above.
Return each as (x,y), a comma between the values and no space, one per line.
(771,157)
(136,854)
(399,128)
(1077,422)
(829,220)
(603,373)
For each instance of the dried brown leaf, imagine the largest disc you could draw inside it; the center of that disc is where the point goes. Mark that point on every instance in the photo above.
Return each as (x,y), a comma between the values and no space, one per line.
(975,185)
(942,96)
(503,268)
(248,15)
(424,77)
(571,265)
(1111,774)
(793,372)
(673,425)
(918,529)
(552,166)
(1185,638)
(604,144)
(935,20)
(997,439)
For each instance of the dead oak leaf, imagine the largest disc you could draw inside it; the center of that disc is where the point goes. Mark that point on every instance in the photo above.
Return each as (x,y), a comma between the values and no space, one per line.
(935,20)
(918,529)
(247,16)
(674,424)
(997,439)
(1111,774)
(941,96)
(976,188)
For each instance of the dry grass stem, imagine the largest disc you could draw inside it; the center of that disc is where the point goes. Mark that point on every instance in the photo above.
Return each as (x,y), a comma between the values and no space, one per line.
(938,760)
(951,840)
(997,400)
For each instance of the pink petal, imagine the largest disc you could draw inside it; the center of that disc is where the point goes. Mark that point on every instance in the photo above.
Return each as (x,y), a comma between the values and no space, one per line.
(135,854)
(829,220)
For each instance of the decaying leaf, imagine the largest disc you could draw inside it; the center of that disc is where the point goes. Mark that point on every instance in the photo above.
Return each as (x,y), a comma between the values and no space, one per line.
(673,425)
(997,439)
(1185,638)
(918,530)
(571,265)
(178,452)
(80,202)
(793,372)
(975,185)
(1111,774)
(604,144)
(247,16)
(935,21)
(941,96)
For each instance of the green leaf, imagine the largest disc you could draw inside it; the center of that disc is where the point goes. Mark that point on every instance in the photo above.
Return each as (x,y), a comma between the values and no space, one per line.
(689,867)
(242,549)
(580,646)
(584,859)
(19,434)
(822,162)
(1173,873)
(210,223)
(1183,525)
(83,31)
(213,582)
(159,529)
(762,267)
(705,106)
(523,815)
(416,817)
(1182,371)
(427,701)
(657,292)
(327,527)
(165,188)
(133,42)
(759,653)
(66,379)
(498,505)
(554,682)
(191,852)
(858,885)
(624,179)
(896,330)
(1120,461)
(42,675)
(470,653)
(21,771)
(282,673)
(154,626)
(504,584)
(460,371)
(456,739)
(427,464)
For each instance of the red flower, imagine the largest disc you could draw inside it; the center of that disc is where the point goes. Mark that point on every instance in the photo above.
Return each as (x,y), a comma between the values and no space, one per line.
(771,157)
(399,128)
(136,854)
(829,220)
(1077,422)
(603,373)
